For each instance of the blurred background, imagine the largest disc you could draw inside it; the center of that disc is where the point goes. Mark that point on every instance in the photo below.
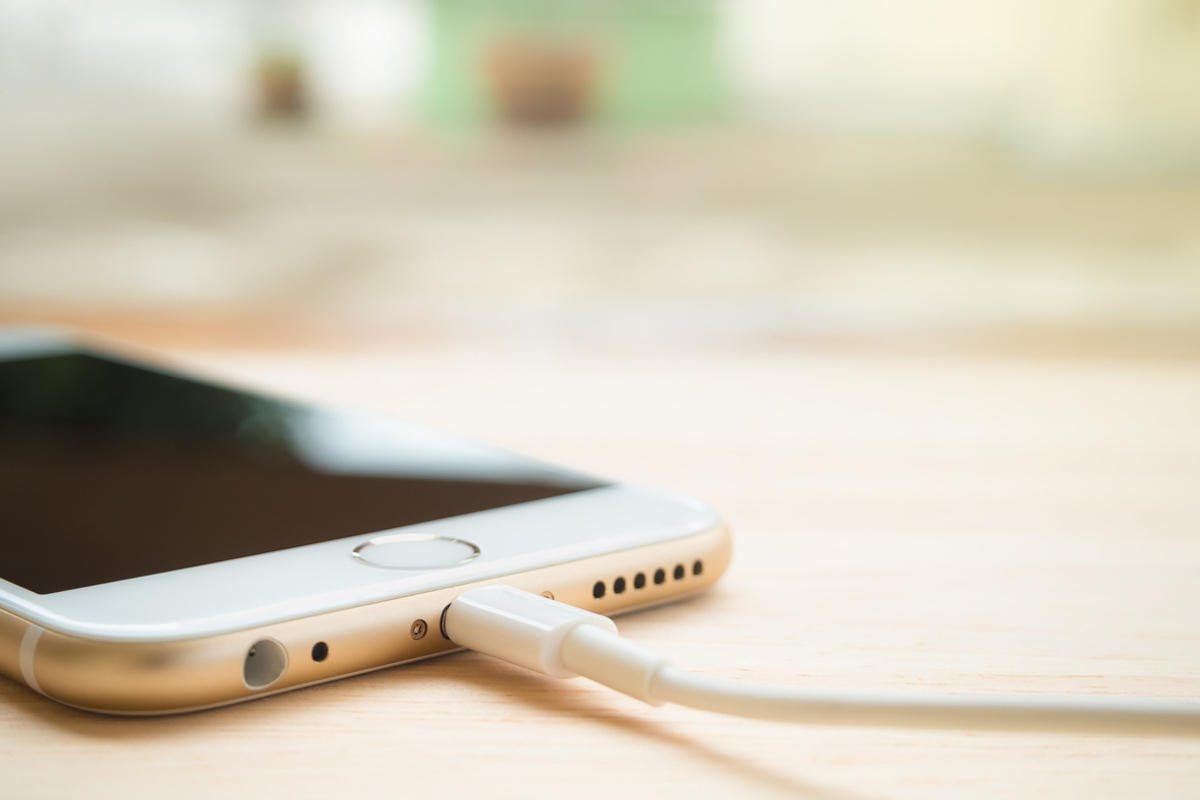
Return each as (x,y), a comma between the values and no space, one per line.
(909,174)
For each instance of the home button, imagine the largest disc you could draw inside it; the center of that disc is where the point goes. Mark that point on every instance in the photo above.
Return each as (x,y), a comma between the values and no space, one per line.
(415,551)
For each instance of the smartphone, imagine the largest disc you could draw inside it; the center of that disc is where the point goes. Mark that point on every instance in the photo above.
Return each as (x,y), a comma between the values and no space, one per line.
(169,543)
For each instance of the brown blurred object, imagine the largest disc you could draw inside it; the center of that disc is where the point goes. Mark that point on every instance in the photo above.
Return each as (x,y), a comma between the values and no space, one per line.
(281,87)
(540,83)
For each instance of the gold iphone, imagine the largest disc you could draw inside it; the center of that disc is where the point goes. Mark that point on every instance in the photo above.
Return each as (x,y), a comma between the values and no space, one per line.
(169,544)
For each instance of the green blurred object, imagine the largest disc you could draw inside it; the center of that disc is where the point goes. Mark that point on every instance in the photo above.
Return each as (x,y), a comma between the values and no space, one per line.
(632,64)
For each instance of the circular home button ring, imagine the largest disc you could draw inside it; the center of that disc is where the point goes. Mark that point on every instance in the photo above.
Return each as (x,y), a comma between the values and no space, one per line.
(415,551)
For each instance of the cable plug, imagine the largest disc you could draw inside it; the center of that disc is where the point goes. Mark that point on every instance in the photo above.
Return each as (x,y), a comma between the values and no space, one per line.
(552,638)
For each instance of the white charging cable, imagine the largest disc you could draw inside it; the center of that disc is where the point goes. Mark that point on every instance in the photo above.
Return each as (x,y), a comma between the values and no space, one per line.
(565,642)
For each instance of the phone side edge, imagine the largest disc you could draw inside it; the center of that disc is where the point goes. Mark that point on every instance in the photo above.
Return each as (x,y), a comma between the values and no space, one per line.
(146,678)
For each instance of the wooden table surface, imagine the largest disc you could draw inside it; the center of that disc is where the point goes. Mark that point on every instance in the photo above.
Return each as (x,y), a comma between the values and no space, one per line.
(934,523)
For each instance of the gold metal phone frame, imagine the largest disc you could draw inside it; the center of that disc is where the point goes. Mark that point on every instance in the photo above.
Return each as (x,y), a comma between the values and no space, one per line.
(167,677)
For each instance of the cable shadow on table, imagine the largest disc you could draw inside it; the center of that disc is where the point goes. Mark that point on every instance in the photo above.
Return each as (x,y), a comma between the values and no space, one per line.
(527,688)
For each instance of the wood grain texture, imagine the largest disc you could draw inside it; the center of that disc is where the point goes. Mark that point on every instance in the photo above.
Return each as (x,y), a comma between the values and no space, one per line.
(939,524)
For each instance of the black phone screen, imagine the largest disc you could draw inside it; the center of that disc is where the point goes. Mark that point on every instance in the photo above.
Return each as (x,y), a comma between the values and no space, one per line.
(110,470)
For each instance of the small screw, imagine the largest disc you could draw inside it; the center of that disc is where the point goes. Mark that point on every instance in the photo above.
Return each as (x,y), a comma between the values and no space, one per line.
(419,628)
(548,595)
